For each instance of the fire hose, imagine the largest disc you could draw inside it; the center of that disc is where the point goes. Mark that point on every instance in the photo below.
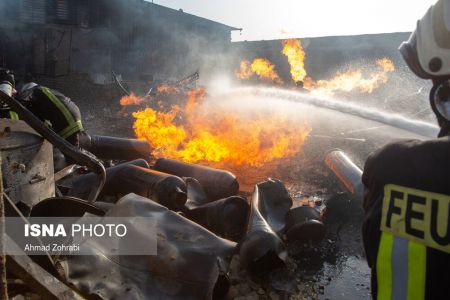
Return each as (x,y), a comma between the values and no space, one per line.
(66,148)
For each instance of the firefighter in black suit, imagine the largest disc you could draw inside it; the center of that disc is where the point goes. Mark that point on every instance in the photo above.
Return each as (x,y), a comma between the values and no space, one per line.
(406,229)
(50,106)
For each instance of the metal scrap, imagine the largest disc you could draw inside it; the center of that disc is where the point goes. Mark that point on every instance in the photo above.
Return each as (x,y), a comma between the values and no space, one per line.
(191,267)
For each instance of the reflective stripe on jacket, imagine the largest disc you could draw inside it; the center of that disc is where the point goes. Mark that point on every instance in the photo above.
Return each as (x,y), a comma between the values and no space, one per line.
(406,228)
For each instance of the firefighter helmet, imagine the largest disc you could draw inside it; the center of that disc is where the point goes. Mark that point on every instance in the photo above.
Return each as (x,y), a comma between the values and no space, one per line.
(427,52)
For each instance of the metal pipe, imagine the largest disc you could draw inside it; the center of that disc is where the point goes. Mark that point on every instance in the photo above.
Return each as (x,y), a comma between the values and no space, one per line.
(346,171)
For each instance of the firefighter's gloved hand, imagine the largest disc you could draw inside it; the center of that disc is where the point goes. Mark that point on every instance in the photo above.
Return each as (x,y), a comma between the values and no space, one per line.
(6,76)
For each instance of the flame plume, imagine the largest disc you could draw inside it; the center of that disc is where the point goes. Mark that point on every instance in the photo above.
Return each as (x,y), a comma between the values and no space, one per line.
(354,80)
(349,81)
(292,48)
(265,70)
(131,99)
(245,70)
(261,67)
(219,136)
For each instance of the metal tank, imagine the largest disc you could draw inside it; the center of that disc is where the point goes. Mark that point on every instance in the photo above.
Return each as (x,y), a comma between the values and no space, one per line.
(27,163)
(347,172)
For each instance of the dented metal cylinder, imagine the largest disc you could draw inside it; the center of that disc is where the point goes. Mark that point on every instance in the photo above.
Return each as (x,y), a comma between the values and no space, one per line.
(225,217)
(262,250)
(346,171)
(217,183)
(107,147)
(166,189)
(135,177)
(82,185)
(303,224)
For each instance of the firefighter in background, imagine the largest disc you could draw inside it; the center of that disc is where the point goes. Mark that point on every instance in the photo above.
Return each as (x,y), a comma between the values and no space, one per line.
(7,86)
(50,106)
(406,229)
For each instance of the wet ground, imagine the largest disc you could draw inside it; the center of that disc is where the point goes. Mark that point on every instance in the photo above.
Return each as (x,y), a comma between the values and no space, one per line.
(336,268)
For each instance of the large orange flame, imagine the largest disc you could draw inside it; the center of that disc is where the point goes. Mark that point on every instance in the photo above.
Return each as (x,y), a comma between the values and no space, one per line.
(245,70)
(292,48)
(354,80)
(220,136)
(349,81)
(131,99)
(265,70)
(261,67)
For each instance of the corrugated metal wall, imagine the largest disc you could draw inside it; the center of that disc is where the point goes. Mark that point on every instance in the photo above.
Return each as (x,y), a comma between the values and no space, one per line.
(33,11)
(62,10)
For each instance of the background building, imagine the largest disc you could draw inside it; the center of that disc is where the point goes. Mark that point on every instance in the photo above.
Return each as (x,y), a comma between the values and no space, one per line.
(134,38)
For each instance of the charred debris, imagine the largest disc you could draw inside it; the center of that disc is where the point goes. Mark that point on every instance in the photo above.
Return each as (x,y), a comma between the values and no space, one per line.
(203,220)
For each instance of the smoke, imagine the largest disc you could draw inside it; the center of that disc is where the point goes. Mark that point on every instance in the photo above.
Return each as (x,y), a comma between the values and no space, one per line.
(167,43)
(134,38)
(5,10)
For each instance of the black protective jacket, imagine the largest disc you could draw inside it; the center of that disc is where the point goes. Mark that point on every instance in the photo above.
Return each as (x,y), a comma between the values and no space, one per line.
(6,113)
(54,108)
(406,229)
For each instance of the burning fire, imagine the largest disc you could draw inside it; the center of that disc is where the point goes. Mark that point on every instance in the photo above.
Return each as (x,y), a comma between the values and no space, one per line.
(219,136)
(261,67)
(349,81)
(296,58)
(167,89)
(245,70)
(353,80)
(131,99)
(265,70)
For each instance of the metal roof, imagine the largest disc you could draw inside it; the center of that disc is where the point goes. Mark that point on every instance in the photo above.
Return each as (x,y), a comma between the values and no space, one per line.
(182,13)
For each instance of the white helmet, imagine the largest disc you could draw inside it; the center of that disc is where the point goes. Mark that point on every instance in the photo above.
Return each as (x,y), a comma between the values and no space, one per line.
(27,86)
(427,52)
